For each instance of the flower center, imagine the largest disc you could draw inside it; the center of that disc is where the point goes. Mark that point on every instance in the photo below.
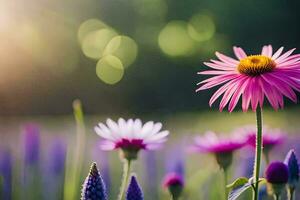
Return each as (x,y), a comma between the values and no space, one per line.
(256,65)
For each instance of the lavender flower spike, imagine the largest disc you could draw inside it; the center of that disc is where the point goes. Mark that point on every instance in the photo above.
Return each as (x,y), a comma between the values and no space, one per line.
(293,167)
(94,186)
(5,174)
(134,191)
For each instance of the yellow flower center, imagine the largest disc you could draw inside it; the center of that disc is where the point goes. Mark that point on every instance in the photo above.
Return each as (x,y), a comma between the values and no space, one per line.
(256,65)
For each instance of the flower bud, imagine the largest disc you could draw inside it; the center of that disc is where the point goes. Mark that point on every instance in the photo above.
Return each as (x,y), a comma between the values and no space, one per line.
(277,177)
(174,183)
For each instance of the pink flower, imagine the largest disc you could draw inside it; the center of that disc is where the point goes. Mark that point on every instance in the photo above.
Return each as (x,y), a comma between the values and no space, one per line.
(211,143)
(222,147)
(131,135)
(271,137)
(253,77)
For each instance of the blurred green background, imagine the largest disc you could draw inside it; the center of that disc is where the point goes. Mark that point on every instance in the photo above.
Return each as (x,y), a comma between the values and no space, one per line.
(126,56)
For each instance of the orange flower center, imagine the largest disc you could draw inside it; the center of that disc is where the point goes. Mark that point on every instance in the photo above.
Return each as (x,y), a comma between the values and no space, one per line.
(255,65)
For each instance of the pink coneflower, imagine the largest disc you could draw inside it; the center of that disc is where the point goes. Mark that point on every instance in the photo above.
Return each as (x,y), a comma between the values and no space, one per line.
(221,147)
(253,77)
(131,135)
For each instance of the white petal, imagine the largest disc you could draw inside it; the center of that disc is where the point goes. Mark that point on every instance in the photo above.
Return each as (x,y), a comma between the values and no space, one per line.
(157,136)
(103,133)
(113,127)
(147,128)
(137,128)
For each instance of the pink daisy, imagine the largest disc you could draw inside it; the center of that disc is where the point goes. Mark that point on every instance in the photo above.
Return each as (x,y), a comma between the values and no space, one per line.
(253,77)
(131,135)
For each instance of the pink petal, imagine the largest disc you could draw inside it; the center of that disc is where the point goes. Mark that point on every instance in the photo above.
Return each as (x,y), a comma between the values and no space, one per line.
(216,81)
(284,56)
(226,59)
(221,90)
(247,95)
(239,53)
(281,86)
(223,64)
(267,50)
(267,89)
(213,72)
(235,98)
(277,53)
(219,67)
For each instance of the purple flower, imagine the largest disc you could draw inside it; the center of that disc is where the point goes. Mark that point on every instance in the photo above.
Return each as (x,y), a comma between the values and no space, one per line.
(277,173)
(6,173)
(31,141)
(134,191)
(277,176)
(221,147)
(293,167)
(93,186)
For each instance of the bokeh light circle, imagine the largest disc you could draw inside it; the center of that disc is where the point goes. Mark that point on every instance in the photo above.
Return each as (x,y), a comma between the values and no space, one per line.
(88,26)
(110,69)
(201,27)
(94,43)
(124,48)
(174,39)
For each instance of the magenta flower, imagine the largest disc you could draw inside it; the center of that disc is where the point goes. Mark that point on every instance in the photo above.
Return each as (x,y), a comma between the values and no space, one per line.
(271,137)
(173,179)
(211,143)
(131,135)
(253,77)
(221,147)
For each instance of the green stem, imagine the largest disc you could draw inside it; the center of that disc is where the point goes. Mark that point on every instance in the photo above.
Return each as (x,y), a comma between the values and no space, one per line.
(225,183)
(126,172)
(291,193)
(258,152)
(276,197)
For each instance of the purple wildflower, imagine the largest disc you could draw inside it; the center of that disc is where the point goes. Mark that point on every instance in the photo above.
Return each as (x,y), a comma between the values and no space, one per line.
(293,167)
(277,176)
(277,173)
(57,155)
(94,186)
(6,174)
(31,139)
(134,191)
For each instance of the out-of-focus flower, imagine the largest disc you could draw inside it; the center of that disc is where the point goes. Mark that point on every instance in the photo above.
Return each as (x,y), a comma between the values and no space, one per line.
(221,147)
(57,156)
(94,187)
(293,167)
(134,191)
(131,136)
(31,170)
(31,141)
(271,137)
(174,183)
(5,174)
(253,77)
(277,176)
(54,170)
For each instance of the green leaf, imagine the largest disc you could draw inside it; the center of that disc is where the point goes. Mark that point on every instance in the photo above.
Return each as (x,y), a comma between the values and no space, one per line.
(236,192)
(240,185)
(238,182)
